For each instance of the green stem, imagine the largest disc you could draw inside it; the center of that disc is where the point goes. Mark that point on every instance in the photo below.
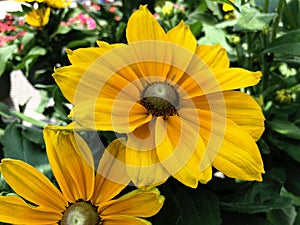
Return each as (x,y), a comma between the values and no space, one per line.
(290,18)
(266,6)
(266,73)
(277,20)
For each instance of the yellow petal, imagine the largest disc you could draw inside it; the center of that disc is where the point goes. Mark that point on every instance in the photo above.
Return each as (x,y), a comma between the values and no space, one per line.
(234,78)
(58,3)
(227,7)
(85,55)
(136,203)
(213,55)
(182,35)
(245,112)
(111,176)
(68,77)
(71,162)
(124,220)
(143,165)
(180,150)
(143,26)
(239,107)
(108,114)
(38,17)
(89,55)
(233,151)
(108,73)
(32,185)
(15,210)
(216,80)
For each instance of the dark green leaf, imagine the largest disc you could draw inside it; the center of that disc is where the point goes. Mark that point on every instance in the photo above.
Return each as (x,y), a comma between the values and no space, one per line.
(120,31)
(284,216)
(34,135)
(285,128)
(16,146)
(170,212)
(230,218)
(197,207)
(252,20)
(254,207)
(288,44)
(257,197)
(5,53)
(292,183)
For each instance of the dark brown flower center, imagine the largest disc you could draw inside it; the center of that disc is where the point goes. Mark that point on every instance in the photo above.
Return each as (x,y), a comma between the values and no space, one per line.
(81,213)
(160,99)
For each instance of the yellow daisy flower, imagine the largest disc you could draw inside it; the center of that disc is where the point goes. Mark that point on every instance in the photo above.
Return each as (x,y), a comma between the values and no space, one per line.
(174,100)
(84,197)
(38,17)
(40,1)
(59,4)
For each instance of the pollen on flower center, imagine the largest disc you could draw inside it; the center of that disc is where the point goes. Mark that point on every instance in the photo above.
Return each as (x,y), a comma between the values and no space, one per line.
(160,99)
(81,213)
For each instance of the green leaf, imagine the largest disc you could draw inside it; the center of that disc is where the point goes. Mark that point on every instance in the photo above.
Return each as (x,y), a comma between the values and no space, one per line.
(246,207)
(289,146)
(120,31)
(16,146)
(61,30)
(257,197)
(230,218)
(284,216)
(34,135)
(252,20)
(288,44)
(27,38)
(197,206)
(5,53)
(285,128)
(170,211)
(292,183)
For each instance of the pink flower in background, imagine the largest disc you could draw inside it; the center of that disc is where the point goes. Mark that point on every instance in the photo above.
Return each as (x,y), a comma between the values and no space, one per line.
(8,30)
(96,6)
(113,9)
(81,21)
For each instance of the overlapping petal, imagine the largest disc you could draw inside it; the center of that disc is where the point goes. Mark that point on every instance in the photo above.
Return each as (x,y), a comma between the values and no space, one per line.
(108,114)
(213,55)
(71,162)
(124,220)
(32,185)
(239,107)
(219,79)
(136,203)
(111,177)
(16,211)
(232,150)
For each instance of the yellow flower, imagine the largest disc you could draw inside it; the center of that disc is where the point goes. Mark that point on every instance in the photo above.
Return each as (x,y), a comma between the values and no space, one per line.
(38,17)
(167,9)
(227,7)
(174,100)
(84,197)
(58,3)
(283,96)
(40,1)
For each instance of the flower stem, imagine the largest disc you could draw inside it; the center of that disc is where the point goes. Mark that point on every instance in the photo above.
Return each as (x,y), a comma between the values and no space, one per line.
(277,20)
